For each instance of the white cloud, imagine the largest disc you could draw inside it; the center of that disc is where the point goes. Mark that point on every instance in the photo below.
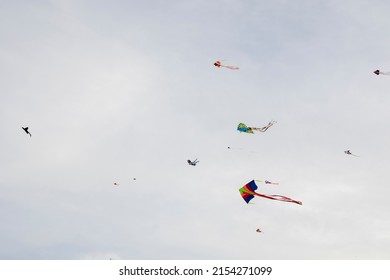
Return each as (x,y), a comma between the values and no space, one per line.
(126,90)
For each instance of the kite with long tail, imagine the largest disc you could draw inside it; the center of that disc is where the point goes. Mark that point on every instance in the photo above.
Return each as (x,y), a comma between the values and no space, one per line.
(377,72)
(219,65)
(267,182)
(248,193)
(348,152)
(243,128)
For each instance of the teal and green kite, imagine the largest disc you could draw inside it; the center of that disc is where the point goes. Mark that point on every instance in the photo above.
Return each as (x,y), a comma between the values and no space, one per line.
(243,128)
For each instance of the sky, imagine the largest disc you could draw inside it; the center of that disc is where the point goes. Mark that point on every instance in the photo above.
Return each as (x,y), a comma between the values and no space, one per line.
(117,90)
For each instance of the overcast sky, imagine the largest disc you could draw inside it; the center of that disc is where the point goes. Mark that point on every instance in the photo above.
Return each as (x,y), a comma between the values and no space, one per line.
(116,90)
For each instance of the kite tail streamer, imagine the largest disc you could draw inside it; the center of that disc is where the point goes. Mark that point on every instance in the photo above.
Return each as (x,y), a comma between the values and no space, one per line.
(231,67)
(259,129)
(280,198)
(264,128)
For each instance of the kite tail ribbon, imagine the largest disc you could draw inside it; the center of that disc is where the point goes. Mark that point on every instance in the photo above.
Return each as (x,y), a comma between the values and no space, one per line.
(231,67)
(279,197)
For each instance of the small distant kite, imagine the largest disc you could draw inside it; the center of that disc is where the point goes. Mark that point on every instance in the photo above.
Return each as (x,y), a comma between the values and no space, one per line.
(348,152)
(219,65)
(26,130)
(243,128)
(378,72)
(116,184)
(234,148)
(258,230)
(248,193)
(267,182)
(193,163)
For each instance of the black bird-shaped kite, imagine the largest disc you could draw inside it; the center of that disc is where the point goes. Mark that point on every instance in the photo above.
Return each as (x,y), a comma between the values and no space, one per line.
(26,130)
(193,163)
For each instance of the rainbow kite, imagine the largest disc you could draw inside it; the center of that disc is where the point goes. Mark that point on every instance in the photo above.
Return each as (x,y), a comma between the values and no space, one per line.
(248,192)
